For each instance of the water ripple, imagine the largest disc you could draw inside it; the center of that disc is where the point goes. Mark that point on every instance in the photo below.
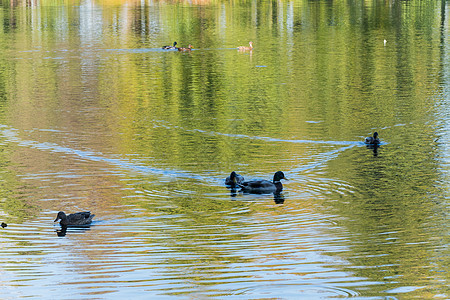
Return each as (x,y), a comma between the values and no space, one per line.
(167,125)
(320,160)
(12,136)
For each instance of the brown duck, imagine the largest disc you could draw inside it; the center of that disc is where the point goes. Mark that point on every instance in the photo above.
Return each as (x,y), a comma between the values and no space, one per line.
(244,48)
(186,49)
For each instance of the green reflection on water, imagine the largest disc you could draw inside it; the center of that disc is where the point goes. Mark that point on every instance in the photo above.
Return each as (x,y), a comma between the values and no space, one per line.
(320,71)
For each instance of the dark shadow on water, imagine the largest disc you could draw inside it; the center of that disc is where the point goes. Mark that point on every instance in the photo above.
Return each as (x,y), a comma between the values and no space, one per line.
(278,198)
(374,148)
(233,192)
(63,230)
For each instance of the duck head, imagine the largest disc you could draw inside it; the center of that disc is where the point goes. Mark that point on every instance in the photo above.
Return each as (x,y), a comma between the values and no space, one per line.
(375,135)
(278,176)
(233,177)
(61,216)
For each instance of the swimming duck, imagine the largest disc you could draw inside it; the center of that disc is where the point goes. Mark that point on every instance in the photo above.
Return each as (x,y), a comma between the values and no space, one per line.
(234,179)
(244,48)
(76,219)
(188,48)
(372,140)
(264,186)
(170,47)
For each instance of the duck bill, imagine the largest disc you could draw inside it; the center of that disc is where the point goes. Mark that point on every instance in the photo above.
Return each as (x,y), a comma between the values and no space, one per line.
(56,220)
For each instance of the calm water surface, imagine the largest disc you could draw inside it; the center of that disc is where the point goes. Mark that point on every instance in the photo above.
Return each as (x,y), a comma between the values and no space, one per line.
(95,116)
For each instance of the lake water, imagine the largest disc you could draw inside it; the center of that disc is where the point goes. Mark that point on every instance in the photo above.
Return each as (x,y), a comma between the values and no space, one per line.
(94,115)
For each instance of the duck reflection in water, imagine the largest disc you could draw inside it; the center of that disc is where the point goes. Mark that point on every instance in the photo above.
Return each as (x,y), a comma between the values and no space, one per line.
(374,148)
(278,198)
(233,192)
(63,230)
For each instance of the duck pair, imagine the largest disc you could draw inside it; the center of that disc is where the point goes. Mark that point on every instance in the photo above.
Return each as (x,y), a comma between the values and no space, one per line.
(256,186)
(174,47)
(190,47)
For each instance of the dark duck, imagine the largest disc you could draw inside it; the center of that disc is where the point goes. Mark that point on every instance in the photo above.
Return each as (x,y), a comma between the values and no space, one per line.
(372,140)
(234,179)
(264,186)
(75,219)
